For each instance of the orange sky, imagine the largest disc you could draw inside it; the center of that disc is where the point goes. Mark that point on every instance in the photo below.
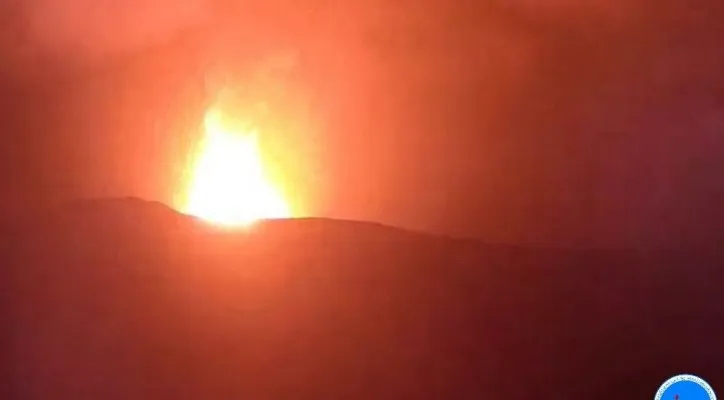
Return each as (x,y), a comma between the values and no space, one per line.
(497,120)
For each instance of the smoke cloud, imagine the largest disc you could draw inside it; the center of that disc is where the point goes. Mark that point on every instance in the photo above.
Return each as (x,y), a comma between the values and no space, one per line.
(76,32)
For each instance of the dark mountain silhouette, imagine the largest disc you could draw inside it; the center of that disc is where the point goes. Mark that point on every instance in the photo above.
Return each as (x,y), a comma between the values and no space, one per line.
(126,299)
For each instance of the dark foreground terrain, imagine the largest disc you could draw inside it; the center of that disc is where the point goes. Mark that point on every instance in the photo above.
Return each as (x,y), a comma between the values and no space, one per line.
(124,299)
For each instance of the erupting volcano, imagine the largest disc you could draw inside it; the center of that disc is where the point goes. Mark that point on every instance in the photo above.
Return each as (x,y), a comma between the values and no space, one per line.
(228,185)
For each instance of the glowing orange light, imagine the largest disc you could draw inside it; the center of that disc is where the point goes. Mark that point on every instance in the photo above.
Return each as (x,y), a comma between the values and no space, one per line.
(228,185)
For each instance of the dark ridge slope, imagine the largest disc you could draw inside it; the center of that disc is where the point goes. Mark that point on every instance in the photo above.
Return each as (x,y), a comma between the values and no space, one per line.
(120,299)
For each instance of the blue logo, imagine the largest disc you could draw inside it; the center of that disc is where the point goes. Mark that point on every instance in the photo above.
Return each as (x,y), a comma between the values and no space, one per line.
(685,387)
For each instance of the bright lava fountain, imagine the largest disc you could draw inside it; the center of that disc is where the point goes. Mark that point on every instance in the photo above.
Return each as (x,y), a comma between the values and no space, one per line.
(227,184)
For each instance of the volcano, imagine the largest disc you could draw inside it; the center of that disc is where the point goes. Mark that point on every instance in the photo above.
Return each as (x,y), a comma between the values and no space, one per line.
(128,299)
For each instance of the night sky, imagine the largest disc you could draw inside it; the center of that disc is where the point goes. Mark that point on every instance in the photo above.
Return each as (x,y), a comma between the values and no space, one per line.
(564,122)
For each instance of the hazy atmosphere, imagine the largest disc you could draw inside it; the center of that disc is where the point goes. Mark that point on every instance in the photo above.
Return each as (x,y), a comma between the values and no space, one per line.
(474,199)
(567,123)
